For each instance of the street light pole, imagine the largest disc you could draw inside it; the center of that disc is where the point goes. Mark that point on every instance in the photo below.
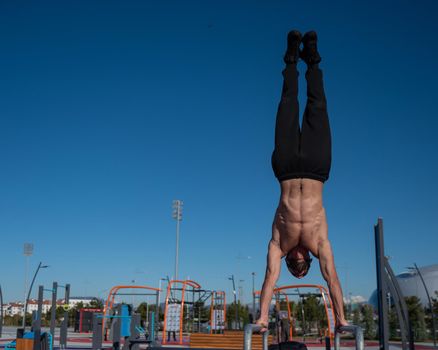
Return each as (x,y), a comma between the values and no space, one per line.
(253,296)
(27,251)
(241,291)
(430,303)
(177,215)
(40,266)
(236,311)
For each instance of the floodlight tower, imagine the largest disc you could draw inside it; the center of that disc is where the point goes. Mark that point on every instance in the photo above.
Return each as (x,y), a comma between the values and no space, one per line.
(27,251)
(177,215)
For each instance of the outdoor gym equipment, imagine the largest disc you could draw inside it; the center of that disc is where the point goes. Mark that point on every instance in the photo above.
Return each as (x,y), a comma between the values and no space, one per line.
(125,324)
(24,338)
(84,319)
(36,324)
(283,293)
(183,306)
(143,291)
(217,312)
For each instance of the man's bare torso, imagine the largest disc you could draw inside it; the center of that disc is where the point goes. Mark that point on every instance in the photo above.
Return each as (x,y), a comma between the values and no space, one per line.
(300,218)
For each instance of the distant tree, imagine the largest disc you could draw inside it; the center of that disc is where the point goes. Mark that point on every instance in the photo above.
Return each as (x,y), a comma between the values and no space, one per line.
(368,322)
(428,314)
(243,314)
(310,314)
(79,306)
(142,309)
(393,323)
(15,320)
(435,303)
(416,317)
(356,316)
(96,304)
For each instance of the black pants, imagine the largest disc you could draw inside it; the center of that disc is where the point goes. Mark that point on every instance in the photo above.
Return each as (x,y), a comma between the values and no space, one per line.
(304,153)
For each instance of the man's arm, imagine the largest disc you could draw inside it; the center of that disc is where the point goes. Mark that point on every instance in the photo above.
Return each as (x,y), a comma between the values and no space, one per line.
(271,277)
(328,270)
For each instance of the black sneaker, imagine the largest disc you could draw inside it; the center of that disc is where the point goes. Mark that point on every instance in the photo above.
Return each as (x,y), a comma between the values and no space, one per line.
(310,53)
(293,47)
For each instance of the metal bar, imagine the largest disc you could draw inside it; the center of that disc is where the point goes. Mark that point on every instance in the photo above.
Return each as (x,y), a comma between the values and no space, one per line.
(64,323)
(40,303)
(116,329)
(382,289)
(397,298)
(430,305)
(248,331)
(97,332)
(53,310)
(401,302)
(117,294)
(358,336)
(37,322)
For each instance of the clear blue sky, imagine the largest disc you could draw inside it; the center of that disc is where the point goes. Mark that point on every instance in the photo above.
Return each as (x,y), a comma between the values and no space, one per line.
(111,109)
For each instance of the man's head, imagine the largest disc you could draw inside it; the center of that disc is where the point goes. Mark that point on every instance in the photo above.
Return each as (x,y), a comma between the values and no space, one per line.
(298,262)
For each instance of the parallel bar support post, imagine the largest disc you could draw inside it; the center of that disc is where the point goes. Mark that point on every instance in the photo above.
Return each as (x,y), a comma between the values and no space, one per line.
(328,345)
(64,324)
(358,336)
(97,332)
(37,322)
(248,331)
(53,311)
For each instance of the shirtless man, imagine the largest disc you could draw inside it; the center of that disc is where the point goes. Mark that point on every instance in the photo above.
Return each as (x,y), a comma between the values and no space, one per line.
(301,162)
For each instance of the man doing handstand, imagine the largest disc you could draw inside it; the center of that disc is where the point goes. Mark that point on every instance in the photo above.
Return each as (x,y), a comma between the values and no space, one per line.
(301,162)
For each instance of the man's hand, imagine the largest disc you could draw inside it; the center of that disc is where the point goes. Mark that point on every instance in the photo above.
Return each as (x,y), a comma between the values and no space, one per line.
(271,277)
(341,323)
(263,324)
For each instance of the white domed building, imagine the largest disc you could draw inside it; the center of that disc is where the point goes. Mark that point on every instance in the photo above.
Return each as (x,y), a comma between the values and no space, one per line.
(411,284)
